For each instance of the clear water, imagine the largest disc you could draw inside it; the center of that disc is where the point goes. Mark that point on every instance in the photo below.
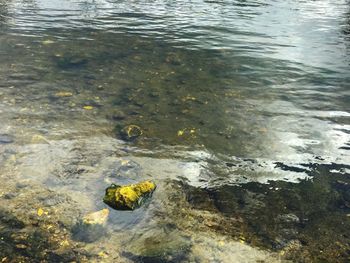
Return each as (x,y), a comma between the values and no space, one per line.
(244,107)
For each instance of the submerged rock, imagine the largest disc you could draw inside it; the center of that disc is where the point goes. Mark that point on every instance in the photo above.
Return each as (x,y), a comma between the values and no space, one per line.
(91,227)
(39,139)
(288,219)
(161,244)
(124,168)
(63,94)
(70,61)
(116,115)
(6,138)
(131,132)
(128,197)
(96,218)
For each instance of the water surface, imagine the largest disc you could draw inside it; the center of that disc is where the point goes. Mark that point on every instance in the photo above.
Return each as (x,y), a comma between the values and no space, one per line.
(244,107)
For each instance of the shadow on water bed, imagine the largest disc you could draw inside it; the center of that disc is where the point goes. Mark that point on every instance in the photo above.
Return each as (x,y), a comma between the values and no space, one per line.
(306,222)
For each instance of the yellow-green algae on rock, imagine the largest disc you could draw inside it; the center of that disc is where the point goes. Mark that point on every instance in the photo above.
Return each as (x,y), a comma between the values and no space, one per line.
(128,197)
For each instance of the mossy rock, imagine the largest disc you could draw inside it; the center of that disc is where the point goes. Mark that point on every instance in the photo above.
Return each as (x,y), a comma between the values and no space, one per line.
(128,197)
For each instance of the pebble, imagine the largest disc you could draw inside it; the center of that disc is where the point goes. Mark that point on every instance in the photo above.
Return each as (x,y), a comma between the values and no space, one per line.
(288,218)
(64,94)
(21,246)
(6,138)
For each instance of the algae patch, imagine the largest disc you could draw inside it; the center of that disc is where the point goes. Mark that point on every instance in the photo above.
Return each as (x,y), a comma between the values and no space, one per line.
(128,197)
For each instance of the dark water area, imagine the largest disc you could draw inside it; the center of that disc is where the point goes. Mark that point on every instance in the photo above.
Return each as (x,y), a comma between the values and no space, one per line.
(244,108)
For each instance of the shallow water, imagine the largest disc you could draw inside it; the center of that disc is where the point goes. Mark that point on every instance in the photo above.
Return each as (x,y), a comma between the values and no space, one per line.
(244,107)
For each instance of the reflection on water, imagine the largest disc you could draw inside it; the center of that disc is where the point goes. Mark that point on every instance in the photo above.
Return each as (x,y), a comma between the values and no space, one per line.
(244,111)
